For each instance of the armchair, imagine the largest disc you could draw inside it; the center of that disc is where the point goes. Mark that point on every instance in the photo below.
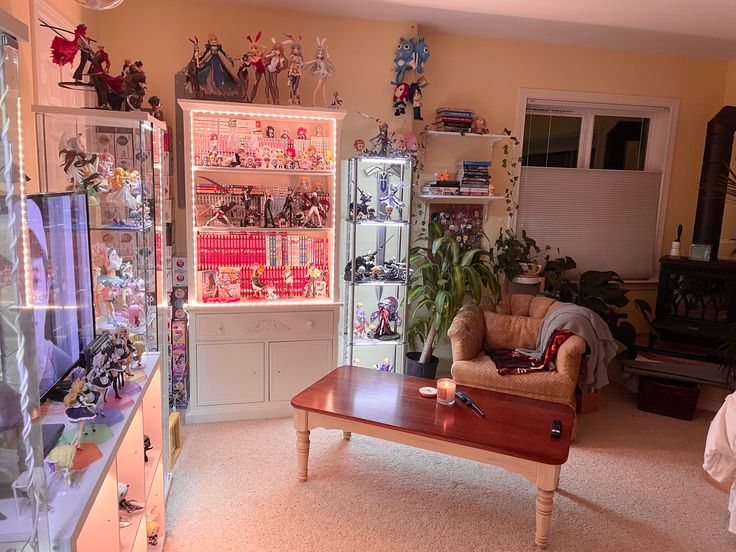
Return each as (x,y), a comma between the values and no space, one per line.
(514,322)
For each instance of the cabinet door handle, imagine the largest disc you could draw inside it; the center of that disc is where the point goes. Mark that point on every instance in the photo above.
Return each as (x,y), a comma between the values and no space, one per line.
(221,328)
(310,324)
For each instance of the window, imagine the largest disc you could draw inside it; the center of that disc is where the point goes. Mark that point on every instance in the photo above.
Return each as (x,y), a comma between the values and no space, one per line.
(592,179)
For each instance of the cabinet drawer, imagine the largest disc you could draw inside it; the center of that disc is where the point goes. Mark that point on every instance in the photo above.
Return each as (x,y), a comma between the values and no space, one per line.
(264,326)
(230,373)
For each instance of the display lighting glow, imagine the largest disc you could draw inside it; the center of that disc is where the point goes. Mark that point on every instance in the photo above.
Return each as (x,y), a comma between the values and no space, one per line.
(333,173)
(23,213)
(385,160)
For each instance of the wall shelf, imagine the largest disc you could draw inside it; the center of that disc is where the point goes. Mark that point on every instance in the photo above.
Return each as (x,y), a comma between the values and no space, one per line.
(432,198)
(489,137)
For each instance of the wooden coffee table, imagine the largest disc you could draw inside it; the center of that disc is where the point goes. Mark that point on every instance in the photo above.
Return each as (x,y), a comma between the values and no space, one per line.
(515,433)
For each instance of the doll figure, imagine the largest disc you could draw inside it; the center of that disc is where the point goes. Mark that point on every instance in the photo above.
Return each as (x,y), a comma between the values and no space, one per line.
(391,201)
(401,92)
(255,55)
(380,142)
(155,103)
(255,279)
(276,62)
(398,144)
(321,69)
(415,97)
(360,326)
(271,293)
(61,458)
(220,213)
(64,51)
(270,132)
(294,74)
(314,220)
(134,315)
(268,221)
(288,281)
(244,76)
(80,408)
(359,146)
(123,349)
(301,133)
(382,319)
(285,134)
(479,125)
(192,78)
(403,59)
(215,75)
(287,211)
(385,366)
(336,102)
(313,273)
(82,168)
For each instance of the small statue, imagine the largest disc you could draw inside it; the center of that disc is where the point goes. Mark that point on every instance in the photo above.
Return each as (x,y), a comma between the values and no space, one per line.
(276,63)
(215,74)
(313,274)
(255,279)
(192,71)
(296,64)
(391,201)
(361,325)
(479,125)
(385,366)
(314,220)
(221,210)
(287,211)
(256,53)
(155,103)
(336,102)
(81,167)
(363,209)
(288,281)
(321,69)
(123,503)
(80,408)
(268,221)
(380,142)
(382,319)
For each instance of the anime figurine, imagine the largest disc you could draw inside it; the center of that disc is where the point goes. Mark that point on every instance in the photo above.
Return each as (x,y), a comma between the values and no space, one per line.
(403,59)
(383,317)
(192,71)
(82,168)
(359,146)
(385,366)
(271,293)
(109,89)
(336,102)
(80,408)
(221,210)
(401,92)
(314,211)
(267,213)
(288,280)
(155,103)
(361,325)
(415,97)
(256,60)
(255,278)
(123,503)
(321,69)
(61,458)
(134,85)
(215,73)
(391,201)
(276,63)
(287,211)
(296,64)
(64,50)
(398,144)
(301,133)
(380,141)
(123,349)
(270,132)
(421,54)
(479,125)
(313,273)
(362,210)
(244,76)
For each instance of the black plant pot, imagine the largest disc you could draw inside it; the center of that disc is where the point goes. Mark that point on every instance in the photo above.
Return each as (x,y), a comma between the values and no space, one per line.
(421,369)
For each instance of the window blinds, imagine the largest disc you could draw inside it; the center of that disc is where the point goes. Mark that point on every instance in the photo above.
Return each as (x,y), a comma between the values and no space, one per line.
(604,219)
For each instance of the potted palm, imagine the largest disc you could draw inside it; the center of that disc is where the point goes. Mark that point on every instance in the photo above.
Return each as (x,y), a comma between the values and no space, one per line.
(444,278)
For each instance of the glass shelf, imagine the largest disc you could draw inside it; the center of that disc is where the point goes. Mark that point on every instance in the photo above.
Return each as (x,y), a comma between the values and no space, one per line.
(205,170)
(237,229)
(381,284)
(379,223)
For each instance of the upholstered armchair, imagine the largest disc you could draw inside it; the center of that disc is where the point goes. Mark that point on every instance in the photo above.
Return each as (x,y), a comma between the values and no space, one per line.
(512,323)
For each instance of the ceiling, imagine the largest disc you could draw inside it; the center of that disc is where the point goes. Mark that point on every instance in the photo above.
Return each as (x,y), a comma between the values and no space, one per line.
(704,28)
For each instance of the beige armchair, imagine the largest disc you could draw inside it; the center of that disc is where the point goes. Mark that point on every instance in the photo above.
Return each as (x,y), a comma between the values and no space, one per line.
(514,322)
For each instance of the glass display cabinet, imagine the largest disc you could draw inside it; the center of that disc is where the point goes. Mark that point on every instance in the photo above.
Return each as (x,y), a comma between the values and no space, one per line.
(23,519)
(262,243)
(376,270)
(116,159)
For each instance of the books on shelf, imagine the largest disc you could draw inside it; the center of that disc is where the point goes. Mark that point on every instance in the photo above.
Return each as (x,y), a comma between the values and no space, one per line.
(454,119)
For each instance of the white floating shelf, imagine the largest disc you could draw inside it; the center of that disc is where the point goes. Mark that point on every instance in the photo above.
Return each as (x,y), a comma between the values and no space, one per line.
(490,137)
(431,198)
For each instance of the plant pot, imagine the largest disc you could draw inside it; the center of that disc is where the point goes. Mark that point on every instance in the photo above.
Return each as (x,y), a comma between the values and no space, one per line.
(421,370)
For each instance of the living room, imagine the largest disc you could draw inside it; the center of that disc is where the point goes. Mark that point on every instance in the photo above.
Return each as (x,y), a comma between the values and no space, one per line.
(393,275)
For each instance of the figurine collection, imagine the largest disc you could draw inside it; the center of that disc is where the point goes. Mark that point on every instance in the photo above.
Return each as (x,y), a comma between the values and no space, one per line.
(411,54)
(383,323)
(213,74)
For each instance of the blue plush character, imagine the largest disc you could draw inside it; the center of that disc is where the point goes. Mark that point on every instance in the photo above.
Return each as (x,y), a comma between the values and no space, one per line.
(403,59)
(421,52)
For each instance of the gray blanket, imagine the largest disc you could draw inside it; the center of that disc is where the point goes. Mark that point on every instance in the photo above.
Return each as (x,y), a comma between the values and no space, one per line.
(588,325)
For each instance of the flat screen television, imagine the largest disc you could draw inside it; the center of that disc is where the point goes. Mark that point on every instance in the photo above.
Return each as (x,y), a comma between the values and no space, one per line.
(60,278)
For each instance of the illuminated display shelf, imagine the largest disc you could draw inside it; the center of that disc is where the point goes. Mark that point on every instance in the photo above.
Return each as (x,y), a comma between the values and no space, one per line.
(269,322)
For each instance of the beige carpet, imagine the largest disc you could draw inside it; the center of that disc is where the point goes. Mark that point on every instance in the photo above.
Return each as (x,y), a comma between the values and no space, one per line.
(633,482)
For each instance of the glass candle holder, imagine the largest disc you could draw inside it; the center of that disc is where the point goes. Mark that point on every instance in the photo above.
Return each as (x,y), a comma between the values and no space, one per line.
(446,391)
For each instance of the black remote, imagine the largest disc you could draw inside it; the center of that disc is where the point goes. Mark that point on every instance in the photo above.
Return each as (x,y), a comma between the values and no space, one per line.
(556,429)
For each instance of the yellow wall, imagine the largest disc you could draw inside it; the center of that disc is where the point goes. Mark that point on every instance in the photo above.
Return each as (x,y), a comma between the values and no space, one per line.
(21,10)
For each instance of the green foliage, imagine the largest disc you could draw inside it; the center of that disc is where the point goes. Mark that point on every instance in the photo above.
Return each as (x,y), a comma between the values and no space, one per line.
(444,277)
(512,249)
(600,291)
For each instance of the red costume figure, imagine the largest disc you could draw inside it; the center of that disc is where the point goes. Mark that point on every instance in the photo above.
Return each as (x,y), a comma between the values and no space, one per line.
(401,93)
(64,51)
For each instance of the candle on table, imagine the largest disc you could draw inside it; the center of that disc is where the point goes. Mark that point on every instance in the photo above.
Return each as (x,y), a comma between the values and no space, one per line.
(446,391)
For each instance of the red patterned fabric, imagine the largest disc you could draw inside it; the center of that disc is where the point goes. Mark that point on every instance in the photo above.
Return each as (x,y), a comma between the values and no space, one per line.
(513,362)
(63,51)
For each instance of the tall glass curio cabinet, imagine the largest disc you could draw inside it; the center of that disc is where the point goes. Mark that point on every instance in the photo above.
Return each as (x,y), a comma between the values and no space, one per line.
(376,262)
(23,519)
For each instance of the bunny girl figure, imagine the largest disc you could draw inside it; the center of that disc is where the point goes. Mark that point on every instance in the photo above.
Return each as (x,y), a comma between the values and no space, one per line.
(296,63)
(276,62)
(255,56)
(321,68)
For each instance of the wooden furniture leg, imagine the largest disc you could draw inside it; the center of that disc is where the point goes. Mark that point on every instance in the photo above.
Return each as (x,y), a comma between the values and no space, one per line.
(547,479)
(302,444)
(346,435)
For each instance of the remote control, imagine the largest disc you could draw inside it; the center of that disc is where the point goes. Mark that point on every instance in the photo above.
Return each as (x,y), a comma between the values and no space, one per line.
(556,429)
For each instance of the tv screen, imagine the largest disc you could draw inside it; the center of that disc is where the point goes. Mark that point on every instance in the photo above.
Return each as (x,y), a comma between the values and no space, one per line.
(60,283)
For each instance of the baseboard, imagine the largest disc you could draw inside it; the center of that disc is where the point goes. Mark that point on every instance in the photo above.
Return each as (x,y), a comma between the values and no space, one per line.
(234,412)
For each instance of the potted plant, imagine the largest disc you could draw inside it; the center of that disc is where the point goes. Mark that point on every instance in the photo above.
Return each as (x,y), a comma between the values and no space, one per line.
(444,277)
(517,256)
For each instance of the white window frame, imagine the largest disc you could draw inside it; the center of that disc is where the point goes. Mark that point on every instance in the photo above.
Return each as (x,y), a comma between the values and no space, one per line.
(662,113)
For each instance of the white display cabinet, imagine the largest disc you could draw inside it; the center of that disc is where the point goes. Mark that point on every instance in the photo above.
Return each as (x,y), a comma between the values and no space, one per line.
(262,239)
(377,238)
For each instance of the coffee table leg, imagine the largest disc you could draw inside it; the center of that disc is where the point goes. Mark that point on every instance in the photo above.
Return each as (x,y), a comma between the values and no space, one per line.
(547,478)
(302,444)
(346,435)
